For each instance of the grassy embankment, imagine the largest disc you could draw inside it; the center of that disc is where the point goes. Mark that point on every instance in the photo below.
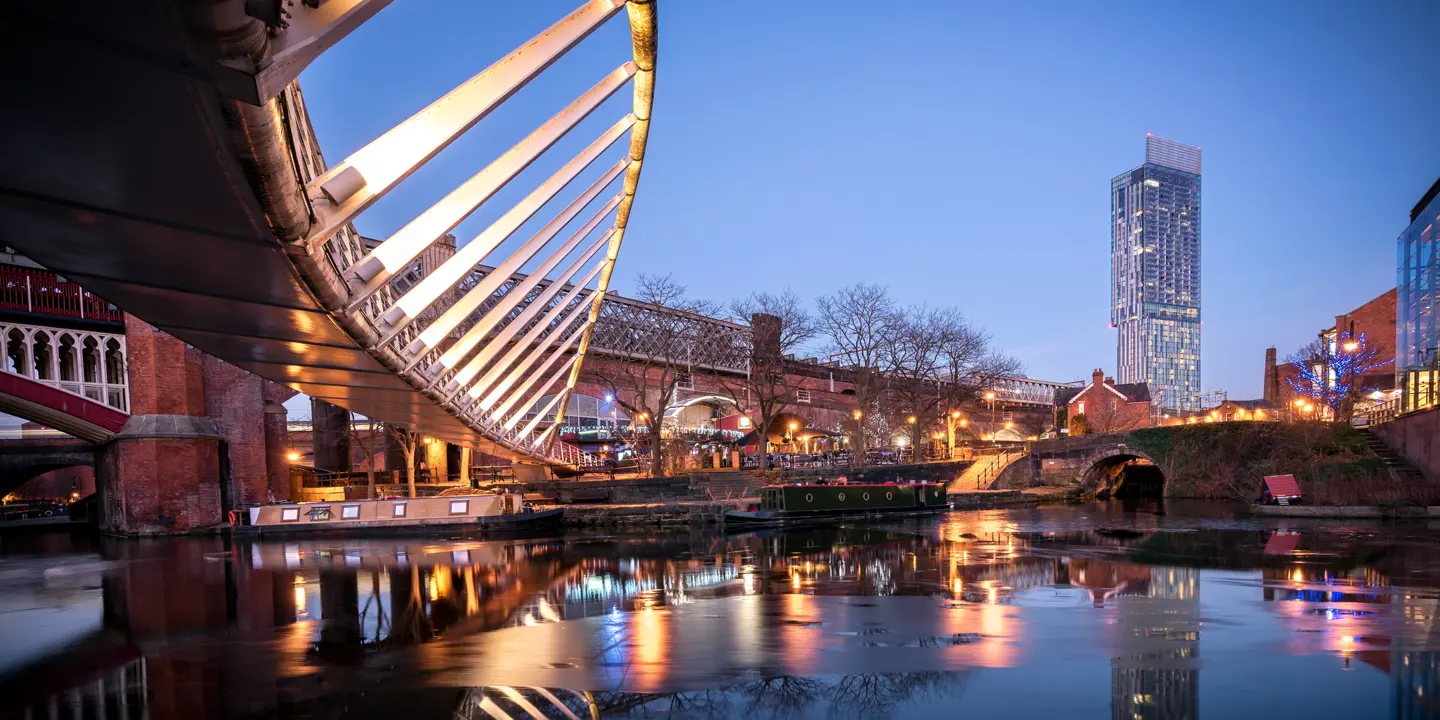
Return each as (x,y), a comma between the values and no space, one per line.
(1228,460)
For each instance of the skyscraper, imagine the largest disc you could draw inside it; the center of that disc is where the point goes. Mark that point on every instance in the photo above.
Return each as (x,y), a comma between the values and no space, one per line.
(1155,272)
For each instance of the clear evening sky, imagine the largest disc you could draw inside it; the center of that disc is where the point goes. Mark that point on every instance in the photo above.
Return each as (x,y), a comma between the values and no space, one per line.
(961,152)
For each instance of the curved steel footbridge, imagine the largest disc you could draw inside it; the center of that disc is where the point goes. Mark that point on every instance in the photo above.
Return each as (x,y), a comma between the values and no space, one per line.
(164,158)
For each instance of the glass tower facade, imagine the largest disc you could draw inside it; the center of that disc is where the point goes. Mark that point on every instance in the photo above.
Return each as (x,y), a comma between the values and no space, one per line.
(1155,272)
(1417,306)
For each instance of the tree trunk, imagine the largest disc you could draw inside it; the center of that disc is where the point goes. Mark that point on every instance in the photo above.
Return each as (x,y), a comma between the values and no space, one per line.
(657,454)
(370,478)
(410,471)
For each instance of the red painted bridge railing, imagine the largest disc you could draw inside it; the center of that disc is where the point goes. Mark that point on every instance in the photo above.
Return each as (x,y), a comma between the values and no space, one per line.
(45,293)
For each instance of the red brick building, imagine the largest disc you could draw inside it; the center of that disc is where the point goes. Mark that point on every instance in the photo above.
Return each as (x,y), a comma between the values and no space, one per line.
(1107,406)
(1375,320)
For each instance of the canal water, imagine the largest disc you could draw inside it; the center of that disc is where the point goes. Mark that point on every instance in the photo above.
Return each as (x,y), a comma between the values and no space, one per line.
(1105,610)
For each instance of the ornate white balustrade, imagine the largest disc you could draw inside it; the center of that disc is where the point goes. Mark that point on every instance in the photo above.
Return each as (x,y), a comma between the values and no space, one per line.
(82,362)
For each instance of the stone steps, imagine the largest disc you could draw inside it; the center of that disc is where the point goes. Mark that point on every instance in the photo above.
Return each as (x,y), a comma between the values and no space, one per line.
(1399,467)
(727,486)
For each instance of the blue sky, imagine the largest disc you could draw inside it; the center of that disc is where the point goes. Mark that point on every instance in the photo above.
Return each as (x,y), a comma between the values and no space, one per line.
(961,152)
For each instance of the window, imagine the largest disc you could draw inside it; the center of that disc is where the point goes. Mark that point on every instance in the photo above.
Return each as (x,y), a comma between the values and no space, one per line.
(349,511)
(459,507)
(290,514)
(802,396)
(684,381)
(399,509)
(319,513)
(1082,409)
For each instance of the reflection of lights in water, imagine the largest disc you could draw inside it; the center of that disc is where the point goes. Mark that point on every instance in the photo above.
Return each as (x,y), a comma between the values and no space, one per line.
(548,612)
(994,596)
(749,583)
(529,619)
(957,587)
(795,581)
(1297,576)
(1348,638)
(300,610)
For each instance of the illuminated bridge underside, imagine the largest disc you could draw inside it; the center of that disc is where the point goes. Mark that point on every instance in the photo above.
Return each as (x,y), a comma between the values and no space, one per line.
(141,172)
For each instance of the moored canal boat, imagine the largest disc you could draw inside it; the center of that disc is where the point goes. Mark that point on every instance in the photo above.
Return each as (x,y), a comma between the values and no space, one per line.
(809,504)
(487,514)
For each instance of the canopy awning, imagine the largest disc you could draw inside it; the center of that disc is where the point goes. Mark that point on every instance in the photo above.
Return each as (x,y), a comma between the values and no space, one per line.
(1282,486)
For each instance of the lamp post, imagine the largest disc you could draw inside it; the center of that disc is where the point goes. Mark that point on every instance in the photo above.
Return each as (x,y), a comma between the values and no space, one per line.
(858,449)
(911,420)
(990,397)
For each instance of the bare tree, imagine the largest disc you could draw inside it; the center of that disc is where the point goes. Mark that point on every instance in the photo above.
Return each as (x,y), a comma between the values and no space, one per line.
(1102,413)
(779,325)
(659,334)
(937,362)
(857,323)
(406,439)
(914,358)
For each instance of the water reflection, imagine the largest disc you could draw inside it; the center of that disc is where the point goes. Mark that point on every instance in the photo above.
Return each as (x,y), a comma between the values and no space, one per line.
(871,621)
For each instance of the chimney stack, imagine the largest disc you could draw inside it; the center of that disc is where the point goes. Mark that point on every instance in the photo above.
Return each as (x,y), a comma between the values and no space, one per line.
(1272,377)
(1098,376)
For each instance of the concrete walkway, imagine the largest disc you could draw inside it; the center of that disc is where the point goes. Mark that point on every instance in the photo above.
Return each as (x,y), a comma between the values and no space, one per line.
(1378,512)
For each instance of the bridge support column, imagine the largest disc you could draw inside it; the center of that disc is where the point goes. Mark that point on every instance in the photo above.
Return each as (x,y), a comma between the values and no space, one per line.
(162,474)
(277,442)
(330,436)
(437,460)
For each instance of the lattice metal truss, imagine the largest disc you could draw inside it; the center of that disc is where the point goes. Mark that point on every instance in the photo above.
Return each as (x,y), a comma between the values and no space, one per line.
(636,330)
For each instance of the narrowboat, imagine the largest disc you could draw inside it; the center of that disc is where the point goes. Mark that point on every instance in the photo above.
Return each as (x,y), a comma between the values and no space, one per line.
(804,504)
(487,514)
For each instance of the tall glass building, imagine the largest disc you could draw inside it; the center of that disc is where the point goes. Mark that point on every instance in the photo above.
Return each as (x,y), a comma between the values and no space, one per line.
(1417,306)
(1155,272)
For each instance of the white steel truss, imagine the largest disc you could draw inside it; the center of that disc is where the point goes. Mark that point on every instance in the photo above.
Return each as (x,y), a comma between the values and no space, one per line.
(465,327)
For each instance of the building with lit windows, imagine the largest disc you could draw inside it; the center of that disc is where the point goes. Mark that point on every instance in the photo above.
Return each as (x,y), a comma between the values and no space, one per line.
(1417,306)
(1155,272)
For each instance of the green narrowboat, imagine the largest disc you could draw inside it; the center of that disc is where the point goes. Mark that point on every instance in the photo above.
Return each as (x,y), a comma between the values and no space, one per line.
(787,504)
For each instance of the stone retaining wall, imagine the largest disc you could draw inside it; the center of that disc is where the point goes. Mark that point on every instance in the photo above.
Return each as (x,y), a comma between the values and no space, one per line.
(668,515)
(1416,438)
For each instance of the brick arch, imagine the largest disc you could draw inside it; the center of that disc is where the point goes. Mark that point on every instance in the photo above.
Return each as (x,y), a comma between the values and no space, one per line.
(1100,465)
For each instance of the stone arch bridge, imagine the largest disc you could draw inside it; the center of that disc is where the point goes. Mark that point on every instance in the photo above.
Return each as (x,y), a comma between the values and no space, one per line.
(1101,464)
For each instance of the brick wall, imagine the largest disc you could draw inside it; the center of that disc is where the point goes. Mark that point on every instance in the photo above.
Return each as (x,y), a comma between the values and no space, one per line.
(234,399)
(1376,319)
(1106,411)
(160,485)
(166,375)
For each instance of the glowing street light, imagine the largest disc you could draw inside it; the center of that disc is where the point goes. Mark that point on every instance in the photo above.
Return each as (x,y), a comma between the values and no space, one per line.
(1351,346)
(910,419)
(292,456)
(857,414)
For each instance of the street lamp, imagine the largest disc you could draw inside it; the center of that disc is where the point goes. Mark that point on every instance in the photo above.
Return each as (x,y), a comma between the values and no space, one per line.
(990,396)
(1351,346)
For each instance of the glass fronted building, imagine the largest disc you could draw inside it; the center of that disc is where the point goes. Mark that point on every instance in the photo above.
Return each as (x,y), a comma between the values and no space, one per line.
(1417,306)
(1155,272)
